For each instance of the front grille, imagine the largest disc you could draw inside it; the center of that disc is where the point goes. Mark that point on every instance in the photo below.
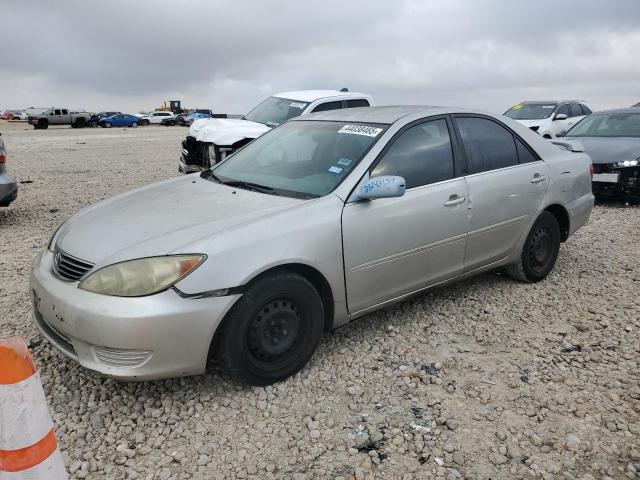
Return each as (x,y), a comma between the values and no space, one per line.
(118,357)
(68,267)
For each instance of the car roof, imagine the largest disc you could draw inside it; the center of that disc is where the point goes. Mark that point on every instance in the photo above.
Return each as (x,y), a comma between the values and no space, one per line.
(553,101)
(633,110)
(386,115)
(313,95)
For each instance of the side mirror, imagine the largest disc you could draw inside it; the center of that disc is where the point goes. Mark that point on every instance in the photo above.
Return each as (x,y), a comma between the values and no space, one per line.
(385,186)
(560,116)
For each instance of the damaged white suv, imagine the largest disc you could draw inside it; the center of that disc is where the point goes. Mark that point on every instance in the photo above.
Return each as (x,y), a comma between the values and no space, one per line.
(210,140)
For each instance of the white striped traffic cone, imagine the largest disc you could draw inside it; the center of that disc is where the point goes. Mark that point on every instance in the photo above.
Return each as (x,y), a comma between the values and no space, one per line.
(28,447)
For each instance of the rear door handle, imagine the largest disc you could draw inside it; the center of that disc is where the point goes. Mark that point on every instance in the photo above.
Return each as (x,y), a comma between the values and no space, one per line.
(537,178)
(454,200)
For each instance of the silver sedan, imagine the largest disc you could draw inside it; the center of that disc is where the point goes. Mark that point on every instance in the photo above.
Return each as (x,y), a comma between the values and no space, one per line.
(320,221)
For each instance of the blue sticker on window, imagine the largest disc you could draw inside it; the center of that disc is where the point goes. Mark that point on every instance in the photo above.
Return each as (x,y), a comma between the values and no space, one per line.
(334,169)
(344,161)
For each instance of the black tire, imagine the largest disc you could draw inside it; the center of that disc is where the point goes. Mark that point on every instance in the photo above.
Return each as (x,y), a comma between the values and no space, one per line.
(80,123)
(272,331)
(134,125)
(106,125)
(43,124)
(144,123)
(540,251)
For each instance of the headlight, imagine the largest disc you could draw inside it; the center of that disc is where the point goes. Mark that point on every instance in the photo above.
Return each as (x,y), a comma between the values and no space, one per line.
(144,276)
(628,163)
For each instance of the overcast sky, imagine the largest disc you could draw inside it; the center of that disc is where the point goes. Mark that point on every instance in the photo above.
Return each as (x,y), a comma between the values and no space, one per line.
(227,55)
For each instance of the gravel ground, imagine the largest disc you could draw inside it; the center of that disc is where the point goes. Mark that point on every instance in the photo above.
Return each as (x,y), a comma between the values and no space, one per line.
(484,379)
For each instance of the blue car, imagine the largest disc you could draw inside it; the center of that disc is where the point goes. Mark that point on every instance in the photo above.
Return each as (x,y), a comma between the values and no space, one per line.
(119,120)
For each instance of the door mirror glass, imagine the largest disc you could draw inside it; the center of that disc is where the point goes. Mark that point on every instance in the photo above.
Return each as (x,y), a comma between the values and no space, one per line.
(384,186)
(560,116)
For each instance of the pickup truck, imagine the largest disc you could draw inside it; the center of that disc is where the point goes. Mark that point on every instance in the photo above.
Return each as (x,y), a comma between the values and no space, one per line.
(211,140)
(59,116)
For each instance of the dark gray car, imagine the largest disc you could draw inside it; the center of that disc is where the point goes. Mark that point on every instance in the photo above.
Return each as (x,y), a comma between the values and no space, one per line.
(612,139)
(8,183)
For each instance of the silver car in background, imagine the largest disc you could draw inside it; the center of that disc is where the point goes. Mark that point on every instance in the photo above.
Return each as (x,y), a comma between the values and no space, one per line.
(320,221)
(8,183)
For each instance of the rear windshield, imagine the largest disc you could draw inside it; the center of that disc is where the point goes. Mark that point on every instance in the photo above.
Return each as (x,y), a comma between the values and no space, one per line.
(531,111)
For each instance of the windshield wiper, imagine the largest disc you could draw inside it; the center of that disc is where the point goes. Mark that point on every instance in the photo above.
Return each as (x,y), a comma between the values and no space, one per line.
(209,175)
(249,186)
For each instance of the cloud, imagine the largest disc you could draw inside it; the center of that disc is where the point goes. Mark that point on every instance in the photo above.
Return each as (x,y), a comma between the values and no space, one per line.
(229,55)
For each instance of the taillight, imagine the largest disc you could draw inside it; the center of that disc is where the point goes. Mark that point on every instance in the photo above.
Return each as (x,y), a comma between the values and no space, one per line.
(3,158)
(591,169)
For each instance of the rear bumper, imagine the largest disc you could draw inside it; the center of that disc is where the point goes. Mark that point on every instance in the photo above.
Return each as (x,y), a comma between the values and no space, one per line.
(8,189)
(579,212)
(142,338)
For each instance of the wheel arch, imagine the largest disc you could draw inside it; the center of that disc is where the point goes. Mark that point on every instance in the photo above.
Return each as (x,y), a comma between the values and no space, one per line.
(317,279)
(562,216)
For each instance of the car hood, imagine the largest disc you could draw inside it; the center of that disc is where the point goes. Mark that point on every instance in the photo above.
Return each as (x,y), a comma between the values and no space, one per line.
(531,123)
(159,219)
(225,131)
(610,149)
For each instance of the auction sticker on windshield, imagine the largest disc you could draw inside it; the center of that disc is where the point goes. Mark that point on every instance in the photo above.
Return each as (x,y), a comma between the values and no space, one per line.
(360,130)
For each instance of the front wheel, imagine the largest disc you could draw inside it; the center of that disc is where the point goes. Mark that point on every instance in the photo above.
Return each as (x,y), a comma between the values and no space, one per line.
(106,125)
(540,251)
(134,125)
(272,331)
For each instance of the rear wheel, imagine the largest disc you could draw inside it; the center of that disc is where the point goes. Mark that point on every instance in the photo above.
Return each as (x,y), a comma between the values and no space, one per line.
(43,124)
(272,331)
(540,251)
(80,123)
(144,123)
(134,125)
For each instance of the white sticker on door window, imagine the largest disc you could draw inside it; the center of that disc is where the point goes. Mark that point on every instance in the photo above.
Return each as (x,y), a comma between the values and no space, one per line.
(360,130)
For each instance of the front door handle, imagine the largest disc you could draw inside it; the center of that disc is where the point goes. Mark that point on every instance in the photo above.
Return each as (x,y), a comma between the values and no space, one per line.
(537,178)
(454,200)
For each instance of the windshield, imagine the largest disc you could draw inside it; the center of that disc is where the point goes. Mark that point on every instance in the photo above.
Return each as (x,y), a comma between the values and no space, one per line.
(274,111)
(531,111)
(303,159)
(610,125)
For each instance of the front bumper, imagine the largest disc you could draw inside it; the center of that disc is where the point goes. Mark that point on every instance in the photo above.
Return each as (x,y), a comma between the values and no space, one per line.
(141,338)
(621,182)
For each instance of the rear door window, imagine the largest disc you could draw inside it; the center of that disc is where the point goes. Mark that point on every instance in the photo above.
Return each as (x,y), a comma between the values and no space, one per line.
(358,102)
(487,144)
(323,107)
(421,155)
(585,110)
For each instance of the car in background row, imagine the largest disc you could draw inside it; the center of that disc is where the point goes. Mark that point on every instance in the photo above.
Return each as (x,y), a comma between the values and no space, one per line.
(211,140)
(12,115)
(320,221)
(8,183)
(96,117)
(612,139)
(155,118)
(549,119)
(59,116)
(119,120)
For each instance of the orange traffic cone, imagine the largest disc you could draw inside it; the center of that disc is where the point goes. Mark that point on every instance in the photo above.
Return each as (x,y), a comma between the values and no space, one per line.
(28,447)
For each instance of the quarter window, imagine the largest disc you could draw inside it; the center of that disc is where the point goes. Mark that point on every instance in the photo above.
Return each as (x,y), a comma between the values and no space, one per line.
(421,155)
(524,154)
(323,107)
(488,145)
